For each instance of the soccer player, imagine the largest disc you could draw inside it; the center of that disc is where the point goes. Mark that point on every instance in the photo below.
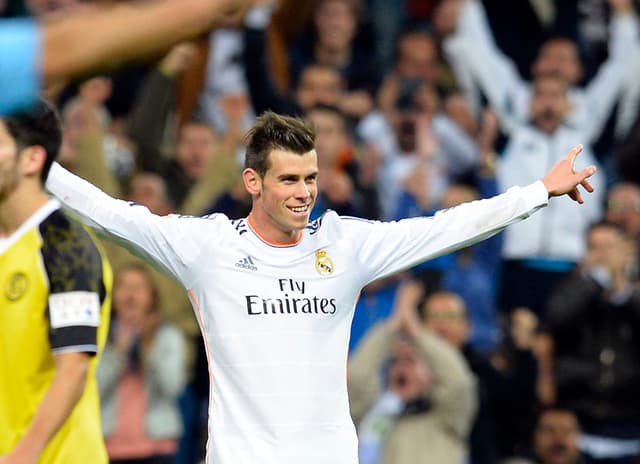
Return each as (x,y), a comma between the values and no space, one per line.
(34,53)
(274,293)
(54,307)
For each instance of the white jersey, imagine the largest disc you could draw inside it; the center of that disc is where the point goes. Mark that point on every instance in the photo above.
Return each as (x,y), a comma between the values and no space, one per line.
(276,319)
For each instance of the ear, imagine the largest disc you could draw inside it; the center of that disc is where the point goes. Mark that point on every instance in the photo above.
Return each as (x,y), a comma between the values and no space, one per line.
(32,160)
(252,182)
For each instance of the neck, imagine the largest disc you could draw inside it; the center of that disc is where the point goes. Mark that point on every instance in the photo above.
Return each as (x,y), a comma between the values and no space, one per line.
(270,234)
(332,57)
(18,206)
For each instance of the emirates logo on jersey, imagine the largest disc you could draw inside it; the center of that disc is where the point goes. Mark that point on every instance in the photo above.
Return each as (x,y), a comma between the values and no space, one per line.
(16,286)
(324,265)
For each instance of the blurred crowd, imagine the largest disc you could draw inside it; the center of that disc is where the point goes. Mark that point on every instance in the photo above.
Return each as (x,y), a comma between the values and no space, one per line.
(524,348)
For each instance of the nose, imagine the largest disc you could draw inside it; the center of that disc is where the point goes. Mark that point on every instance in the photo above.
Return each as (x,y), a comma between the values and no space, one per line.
(302,190)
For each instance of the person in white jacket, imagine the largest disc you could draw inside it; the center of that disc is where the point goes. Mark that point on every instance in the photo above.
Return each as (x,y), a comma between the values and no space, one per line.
(275,293)
(472,48)
(539,252)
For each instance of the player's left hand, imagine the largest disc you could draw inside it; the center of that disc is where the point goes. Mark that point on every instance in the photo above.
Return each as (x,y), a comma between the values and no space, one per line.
(563,179)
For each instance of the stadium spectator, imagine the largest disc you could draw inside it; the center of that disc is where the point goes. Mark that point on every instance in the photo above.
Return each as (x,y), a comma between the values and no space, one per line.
(555,440)
(412,394)
(589,109)
(594,322)
(505,395)
(141,375)
(539,253)
(338,39)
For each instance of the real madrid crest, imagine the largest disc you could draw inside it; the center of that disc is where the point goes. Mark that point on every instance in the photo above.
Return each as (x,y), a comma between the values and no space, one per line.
(16,286)
(324,265)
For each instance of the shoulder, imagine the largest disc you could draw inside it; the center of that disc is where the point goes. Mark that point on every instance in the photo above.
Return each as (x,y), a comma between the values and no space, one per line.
(332,225)
(62,235)
(189,223)
(71,257)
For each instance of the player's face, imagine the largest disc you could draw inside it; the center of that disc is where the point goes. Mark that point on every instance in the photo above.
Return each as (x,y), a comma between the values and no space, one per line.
(9,172)
(287,194)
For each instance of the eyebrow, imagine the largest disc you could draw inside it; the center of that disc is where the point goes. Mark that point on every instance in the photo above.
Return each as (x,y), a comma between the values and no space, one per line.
(312,175)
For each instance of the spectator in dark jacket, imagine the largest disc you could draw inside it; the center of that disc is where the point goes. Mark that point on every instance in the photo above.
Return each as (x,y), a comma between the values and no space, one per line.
(594,322)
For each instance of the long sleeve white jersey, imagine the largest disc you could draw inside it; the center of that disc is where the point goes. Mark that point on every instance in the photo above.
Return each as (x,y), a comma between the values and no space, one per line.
(276,319)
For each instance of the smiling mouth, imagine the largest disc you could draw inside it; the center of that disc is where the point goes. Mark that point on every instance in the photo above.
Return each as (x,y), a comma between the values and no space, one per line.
(299,209)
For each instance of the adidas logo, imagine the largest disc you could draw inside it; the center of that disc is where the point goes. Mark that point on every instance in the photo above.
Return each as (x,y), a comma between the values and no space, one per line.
(247,263)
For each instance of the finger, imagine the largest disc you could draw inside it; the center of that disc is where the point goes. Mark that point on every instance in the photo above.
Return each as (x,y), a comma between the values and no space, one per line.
(588,171)
(575,151)
(577,196)
(587,186)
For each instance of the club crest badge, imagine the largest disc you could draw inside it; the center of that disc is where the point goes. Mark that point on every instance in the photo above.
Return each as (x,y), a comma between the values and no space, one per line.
(324,265)
(16,286)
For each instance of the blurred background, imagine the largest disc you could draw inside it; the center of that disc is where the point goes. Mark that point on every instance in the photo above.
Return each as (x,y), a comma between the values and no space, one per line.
(524,348)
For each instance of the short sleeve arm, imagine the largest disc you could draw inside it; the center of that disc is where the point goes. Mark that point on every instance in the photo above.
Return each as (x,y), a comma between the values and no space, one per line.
(74,269)
(19,64)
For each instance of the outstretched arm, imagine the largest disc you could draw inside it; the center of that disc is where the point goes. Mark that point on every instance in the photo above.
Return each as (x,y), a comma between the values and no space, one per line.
(166,241)
(82,41)
(389,247)
(77,43)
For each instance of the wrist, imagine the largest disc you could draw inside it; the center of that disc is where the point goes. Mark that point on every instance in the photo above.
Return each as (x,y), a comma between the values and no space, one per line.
(28,450)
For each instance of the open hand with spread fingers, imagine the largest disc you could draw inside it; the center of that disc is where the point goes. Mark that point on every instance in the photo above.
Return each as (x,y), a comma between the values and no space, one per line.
(563,179)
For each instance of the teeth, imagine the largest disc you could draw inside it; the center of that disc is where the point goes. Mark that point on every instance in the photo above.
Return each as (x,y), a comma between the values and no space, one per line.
(299,209)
